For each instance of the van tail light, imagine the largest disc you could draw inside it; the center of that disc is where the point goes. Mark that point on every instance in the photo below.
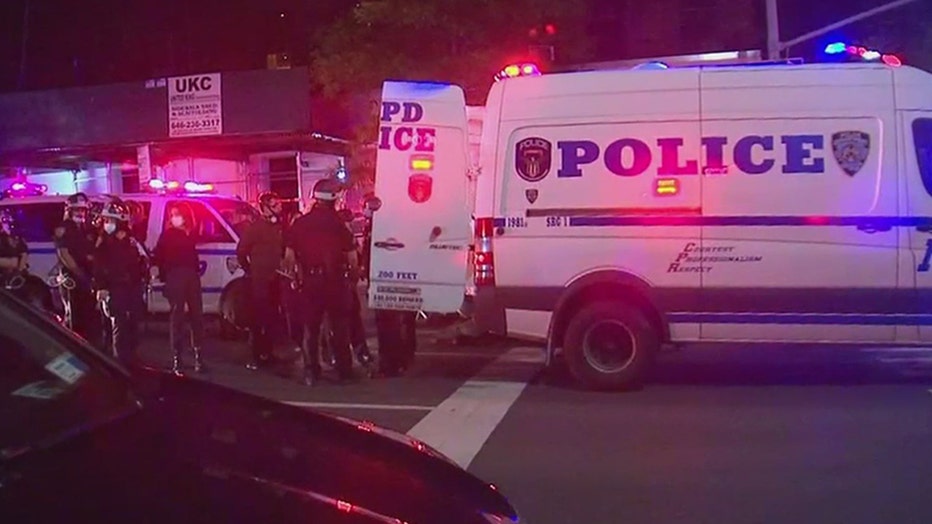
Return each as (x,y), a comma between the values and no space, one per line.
(484,260)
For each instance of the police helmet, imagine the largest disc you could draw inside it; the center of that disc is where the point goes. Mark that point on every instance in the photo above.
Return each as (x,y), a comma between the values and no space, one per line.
(266,198)
(78,201)
(115,210)
(327,190)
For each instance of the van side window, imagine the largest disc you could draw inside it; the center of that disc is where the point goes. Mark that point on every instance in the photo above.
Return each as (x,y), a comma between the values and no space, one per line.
(209,228)
(37,222)
(922,138)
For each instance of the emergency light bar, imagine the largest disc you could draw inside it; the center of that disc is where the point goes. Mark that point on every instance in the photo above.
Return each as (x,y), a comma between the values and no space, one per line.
(23,189)
(175,186)
(842,49)
(516,70)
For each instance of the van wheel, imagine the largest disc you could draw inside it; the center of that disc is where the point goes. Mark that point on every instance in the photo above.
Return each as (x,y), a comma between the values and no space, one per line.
(233,314)
(610,346)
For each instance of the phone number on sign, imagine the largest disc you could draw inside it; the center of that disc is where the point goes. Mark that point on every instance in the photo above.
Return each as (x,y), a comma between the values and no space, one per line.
(196,124)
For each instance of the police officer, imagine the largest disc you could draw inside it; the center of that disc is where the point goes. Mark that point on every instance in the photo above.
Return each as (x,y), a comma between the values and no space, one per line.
(119,278)
(13,255)
(356,327)
(323,248)
(178,264)
(260,251)
(74,242)
(290,293)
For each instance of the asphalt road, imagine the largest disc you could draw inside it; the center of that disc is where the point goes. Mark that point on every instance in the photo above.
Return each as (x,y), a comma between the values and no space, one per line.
(720,434)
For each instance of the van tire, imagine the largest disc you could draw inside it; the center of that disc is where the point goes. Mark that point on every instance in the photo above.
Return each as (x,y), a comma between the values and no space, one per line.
(233,310)
(610,368)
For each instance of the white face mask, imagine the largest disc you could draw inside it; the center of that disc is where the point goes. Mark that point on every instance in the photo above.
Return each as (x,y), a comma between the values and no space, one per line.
(109,227)
(177,221)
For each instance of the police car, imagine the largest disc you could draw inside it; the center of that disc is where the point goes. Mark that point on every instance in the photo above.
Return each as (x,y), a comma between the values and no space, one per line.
(616,211)
(219,220)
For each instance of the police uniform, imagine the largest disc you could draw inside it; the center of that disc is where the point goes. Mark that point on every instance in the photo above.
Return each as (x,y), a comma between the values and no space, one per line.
(260,252)
(12,246)
(291,295)
(78,239)
(120,273)
(322,245)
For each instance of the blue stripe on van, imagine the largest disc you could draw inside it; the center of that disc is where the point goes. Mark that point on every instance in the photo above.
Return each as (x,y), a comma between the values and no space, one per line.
(878,223)
(866,222)
(802,318)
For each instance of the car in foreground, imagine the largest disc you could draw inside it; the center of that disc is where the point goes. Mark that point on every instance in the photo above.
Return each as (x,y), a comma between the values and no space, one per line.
(84,440)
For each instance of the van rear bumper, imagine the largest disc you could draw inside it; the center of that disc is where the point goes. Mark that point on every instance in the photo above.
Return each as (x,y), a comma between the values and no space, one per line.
(489,311)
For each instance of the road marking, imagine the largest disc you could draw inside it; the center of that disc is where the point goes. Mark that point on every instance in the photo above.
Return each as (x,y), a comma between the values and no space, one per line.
(903,349)
(907,360)
(342,405)
(462,423)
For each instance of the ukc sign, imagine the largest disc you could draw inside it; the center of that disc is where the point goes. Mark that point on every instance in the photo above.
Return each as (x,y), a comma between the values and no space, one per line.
(751,154)
(195,106)
(407,137)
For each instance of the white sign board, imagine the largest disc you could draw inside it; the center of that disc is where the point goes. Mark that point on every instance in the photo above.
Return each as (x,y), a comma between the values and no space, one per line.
(194,106)
(144,161)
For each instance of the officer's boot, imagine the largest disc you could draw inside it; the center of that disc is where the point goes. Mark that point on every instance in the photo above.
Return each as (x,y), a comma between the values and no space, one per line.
(199,366)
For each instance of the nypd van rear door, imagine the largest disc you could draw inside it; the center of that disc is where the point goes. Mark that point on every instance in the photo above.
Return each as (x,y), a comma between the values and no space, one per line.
(421,233)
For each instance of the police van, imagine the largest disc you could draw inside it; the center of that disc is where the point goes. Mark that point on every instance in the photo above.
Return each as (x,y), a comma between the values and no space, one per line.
(219,222)
(618,211)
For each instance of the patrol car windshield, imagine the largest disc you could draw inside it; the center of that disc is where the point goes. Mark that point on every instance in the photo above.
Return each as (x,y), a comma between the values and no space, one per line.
(51,387)
(236,213)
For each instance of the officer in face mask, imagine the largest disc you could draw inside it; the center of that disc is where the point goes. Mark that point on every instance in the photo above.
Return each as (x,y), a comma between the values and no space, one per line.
(178,263)
(260,251)
(325,253)
(119,278)
(74,242)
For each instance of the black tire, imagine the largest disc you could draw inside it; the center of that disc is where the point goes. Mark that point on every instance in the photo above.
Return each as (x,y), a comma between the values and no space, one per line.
(234,315)
(632,345)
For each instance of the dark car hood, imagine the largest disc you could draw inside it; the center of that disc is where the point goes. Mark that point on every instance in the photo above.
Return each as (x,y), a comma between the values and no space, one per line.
(229,455)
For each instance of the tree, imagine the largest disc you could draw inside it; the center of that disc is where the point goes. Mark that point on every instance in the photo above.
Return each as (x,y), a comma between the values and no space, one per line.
(458,41)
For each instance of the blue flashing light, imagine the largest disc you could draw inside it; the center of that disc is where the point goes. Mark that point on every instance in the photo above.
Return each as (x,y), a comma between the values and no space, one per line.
(652,65)
(836,48)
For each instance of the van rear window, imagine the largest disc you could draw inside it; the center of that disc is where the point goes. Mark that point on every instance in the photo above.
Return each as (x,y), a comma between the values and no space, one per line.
(922,137)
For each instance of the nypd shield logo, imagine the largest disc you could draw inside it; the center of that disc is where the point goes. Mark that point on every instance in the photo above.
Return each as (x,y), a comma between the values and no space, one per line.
(531,195)
(532,158)
(851,150)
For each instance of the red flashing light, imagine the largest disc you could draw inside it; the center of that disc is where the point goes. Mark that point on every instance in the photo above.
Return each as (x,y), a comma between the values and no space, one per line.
(19,186)
(892,60)
(550,29)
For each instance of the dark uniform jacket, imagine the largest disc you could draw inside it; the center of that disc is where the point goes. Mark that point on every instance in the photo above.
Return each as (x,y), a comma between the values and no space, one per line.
(78,241)
(261,248)
(118,263)
(321,240)
(11,246)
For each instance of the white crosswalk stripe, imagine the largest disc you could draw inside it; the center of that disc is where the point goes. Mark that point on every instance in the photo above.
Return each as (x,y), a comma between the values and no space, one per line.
(913,362)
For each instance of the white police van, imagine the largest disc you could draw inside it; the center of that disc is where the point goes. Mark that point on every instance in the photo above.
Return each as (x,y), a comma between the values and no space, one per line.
(616,211)
(219,220)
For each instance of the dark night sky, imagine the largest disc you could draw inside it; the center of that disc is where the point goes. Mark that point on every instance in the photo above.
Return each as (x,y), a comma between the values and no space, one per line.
(71,43)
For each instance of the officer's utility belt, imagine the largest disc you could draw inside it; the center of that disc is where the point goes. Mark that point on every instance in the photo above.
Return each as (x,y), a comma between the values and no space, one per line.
(323,271)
